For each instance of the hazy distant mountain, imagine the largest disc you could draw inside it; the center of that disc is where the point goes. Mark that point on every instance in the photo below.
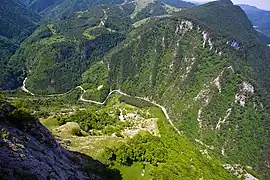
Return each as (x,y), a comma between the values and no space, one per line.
(39,5)
(259,18)
(197,2)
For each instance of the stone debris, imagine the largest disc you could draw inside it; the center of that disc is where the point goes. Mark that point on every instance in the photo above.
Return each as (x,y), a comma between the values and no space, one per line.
(229,111)
(245,91)
(239,171)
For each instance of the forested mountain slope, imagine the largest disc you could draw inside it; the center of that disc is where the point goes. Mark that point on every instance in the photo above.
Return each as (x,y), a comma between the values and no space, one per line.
(209,68)
(39,5)
(75,42)
(67,7)
(17,23)
(58,53)
(259,18)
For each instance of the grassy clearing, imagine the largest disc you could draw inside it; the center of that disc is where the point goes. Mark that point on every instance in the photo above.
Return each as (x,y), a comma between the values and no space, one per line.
(87,35)
(51,27)
(90,145)
(53,39)
(93,145)
(137,171)
(141,22)
(140,4)
(50,123)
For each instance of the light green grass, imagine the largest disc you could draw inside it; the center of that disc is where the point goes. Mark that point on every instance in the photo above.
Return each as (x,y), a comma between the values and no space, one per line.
(134,172)
(51,27)
(93,145)
(50,123)
(90,145)
(88,36)
(140,4)
(53,39)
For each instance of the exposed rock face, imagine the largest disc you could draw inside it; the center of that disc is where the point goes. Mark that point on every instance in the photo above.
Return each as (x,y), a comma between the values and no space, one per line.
(28,150)
(239,171)
(245,91)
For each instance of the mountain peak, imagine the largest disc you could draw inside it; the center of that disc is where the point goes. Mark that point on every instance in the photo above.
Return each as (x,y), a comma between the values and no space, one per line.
(226,2)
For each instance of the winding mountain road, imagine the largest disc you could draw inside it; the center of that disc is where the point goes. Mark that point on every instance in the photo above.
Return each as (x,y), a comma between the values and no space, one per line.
(108,96)
(24,88)
(104,19)
(142,98)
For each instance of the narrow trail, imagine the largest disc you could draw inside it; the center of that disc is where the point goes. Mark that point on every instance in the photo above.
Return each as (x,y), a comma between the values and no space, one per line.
(108,96)
(124,3)
(52,95)
(164,112)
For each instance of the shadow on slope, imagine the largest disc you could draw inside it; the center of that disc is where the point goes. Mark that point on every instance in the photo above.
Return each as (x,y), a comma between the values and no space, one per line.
(29,151)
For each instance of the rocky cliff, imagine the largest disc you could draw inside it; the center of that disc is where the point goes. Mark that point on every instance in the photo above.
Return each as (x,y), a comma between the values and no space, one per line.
(29,151)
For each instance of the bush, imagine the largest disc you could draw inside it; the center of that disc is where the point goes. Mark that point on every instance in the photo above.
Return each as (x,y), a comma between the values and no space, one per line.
(76,132)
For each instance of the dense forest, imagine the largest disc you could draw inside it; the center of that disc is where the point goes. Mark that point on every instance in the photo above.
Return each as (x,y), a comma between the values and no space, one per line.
(17,23)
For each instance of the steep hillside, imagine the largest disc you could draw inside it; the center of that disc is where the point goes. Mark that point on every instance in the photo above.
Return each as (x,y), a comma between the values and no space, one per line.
(76,41)
(259,18)
(209,68)
(145,8)
(39,5)
(17,23)
(7,49)
(29,151)
(68,7)
(141,144)
(57,54)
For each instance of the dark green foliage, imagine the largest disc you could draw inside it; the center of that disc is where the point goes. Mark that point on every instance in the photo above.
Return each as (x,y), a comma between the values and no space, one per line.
(67,8)
(143,148)
(15,113)
(178,3)
(169,65)
(118,18)
(71,47)
(45,106)
(230,22)
(174,70)
(211,15)
(40,5)
(16,21)
(96,121)
(135,102)
(153,9)
(7,49)
(170,156)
